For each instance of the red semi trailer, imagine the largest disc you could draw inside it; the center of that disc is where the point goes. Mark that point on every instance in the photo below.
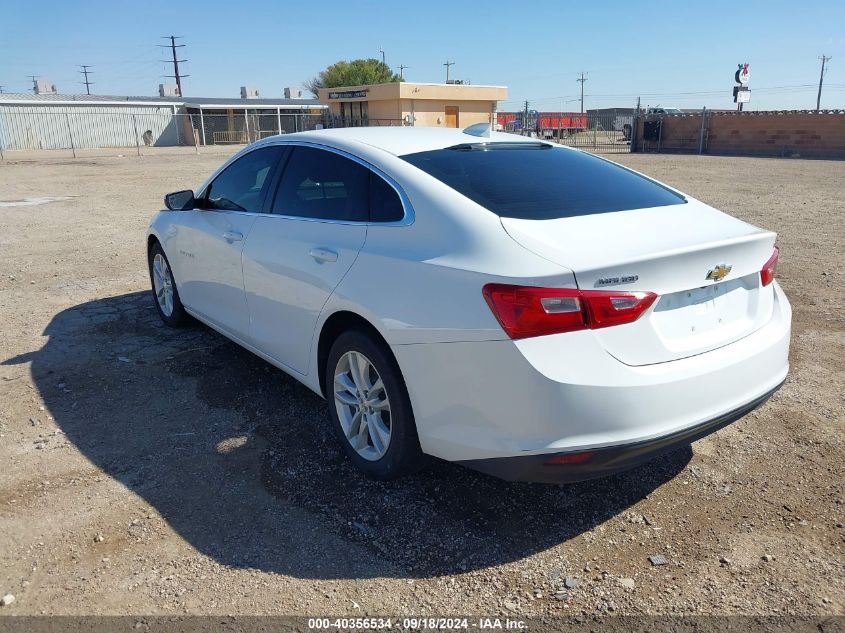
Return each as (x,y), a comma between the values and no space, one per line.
(543,124)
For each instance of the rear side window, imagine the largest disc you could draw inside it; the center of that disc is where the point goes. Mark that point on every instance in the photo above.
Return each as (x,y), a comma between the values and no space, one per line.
(323,185)
(534,181)
(242,185)
(385,204)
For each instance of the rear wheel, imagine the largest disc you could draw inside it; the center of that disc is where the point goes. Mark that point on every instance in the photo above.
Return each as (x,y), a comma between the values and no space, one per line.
(370,408)
(165,293)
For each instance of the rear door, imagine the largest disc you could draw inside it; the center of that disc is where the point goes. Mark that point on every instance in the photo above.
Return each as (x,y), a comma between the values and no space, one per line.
(295,257)
(210,239)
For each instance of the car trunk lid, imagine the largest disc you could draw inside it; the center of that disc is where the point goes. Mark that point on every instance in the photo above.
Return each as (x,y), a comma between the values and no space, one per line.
(671,251)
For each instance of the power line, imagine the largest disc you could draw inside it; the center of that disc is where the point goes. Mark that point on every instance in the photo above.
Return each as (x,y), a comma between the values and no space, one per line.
(784,89)
(86,72)
(581,80)
(824,59)
(448,64)
(173,46)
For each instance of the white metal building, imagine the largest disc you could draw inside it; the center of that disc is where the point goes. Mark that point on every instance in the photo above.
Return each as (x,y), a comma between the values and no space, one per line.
(29,121)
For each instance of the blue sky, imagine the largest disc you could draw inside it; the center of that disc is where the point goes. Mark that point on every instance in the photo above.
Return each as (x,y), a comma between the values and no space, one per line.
(678,53)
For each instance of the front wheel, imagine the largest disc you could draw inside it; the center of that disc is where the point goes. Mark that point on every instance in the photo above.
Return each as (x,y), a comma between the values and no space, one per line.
(370,408)
(165,293)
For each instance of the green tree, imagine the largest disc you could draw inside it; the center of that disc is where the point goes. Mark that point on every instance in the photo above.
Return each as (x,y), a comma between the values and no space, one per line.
(353,73)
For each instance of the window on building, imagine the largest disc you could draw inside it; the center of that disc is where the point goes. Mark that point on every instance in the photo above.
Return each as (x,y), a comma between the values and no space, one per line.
(354,111)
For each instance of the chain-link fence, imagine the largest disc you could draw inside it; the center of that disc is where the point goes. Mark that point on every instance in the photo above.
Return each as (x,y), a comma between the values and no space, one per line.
(600,133)
(142,130)
(341,121)
(92,131)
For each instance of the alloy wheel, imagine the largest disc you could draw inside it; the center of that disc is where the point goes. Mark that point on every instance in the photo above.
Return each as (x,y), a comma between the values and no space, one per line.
(163,284)
(363,407)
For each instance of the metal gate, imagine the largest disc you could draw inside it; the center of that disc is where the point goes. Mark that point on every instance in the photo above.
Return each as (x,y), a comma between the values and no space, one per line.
(684,132)
(608,133)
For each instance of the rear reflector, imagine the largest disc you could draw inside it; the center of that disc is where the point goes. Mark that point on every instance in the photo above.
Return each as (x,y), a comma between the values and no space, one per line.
(525,311)
(568,458)
(767,275)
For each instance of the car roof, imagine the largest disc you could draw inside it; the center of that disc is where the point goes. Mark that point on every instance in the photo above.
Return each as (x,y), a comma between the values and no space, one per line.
(400,140)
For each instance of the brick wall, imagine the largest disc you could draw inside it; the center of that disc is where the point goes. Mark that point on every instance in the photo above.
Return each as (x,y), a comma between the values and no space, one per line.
(806,134)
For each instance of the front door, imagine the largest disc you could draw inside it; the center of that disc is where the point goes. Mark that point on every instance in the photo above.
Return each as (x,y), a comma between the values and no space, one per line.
(295,258)
(451,116)
(209,241)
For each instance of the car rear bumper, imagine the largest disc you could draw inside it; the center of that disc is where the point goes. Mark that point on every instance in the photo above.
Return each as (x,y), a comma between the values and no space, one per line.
(606,460)
(535,398)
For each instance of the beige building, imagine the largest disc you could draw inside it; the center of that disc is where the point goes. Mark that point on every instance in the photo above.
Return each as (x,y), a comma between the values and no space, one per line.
(406,103)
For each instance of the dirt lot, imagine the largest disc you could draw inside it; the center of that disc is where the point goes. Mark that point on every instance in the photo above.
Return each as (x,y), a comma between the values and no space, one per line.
(148,471)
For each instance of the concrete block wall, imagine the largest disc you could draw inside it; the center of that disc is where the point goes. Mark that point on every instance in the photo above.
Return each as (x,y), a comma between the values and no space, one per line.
(806,134)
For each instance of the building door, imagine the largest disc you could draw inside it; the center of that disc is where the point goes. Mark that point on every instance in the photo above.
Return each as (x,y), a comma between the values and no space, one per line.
(451,116)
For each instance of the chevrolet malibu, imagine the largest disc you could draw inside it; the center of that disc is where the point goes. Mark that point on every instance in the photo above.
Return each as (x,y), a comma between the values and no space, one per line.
(527,310)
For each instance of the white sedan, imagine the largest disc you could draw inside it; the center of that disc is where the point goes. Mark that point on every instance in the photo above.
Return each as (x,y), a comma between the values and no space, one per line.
(530,311)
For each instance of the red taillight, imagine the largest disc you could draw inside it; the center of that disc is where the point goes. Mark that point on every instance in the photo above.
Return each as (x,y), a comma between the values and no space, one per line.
(569,458)
(525,311)
(767,274)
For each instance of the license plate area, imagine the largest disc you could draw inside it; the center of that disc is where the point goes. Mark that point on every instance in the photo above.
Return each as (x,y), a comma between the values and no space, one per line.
(718,312)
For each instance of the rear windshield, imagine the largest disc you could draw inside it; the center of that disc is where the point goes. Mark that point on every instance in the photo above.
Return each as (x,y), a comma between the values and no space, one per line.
(535,181)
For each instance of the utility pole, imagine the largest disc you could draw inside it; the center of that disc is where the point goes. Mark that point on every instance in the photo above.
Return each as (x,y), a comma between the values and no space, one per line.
(173,46)
(581,80)
(402,68)
(86,72)
(34,79)
(381,50)
(525,120)
(1,89)
(448,64)
(824,59)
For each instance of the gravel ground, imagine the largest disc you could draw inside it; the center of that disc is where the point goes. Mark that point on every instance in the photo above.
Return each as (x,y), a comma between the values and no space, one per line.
(147,471)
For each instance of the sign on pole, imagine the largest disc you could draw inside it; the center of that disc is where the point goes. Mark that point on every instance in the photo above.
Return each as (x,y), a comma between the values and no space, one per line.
(742,93)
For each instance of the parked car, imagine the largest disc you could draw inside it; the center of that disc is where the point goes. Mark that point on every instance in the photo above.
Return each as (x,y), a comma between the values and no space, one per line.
(662,110)
(528,310)
(624,123)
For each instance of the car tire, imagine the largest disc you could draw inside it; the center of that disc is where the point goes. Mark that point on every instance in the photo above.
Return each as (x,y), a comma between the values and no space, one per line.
(401,454)
(165,293)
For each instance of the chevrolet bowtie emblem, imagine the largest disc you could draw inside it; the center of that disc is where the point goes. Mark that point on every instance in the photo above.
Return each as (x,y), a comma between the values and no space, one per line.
(719,272)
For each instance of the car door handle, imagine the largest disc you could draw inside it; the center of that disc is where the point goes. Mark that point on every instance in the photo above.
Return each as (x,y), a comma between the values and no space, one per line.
(323,255)
(233,236)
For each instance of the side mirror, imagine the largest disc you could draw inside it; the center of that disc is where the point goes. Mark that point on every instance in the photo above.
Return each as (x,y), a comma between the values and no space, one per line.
(180,200)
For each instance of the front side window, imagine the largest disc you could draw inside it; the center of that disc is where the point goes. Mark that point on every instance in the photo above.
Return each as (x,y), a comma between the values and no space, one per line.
(323,185)
(535,181)
(243,184)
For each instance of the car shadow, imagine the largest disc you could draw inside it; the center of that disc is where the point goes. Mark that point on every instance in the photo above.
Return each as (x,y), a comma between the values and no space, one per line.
(240,460)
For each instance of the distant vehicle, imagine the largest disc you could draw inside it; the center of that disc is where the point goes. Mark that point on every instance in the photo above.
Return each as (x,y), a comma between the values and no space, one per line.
(546,125)
(662,110)
(624,123)
(522,308)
